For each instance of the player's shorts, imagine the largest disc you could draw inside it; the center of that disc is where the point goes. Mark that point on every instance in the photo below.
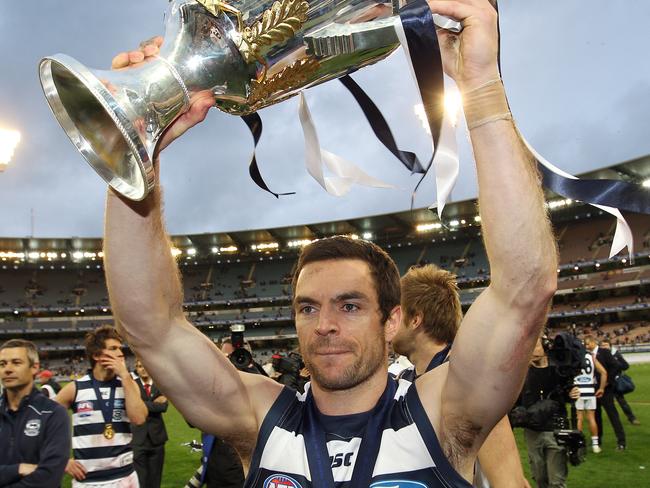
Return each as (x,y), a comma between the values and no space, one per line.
(130,481)
(586,403)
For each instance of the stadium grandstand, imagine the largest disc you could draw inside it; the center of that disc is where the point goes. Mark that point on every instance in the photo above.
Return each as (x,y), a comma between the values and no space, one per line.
(53,290)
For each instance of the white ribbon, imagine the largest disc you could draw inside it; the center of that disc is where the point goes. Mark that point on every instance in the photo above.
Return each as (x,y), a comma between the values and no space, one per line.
(346,173)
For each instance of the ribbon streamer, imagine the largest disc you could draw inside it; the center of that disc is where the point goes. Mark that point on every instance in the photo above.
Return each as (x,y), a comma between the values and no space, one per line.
(557,180)
(379,125)
(602,194)
(417,35)
(346,173)
(254,123)
(607,195)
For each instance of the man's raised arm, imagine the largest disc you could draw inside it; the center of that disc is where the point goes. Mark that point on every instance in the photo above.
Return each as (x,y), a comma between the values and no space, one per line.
(146,296)
(490,354)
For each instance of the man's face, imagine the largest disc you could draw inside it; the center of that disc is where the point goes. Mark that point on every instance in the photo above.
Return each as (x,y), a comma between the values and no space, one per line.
(112,347)
(15,370)
(341,336)
(227,348)
(538,351)
(590,345)
(140,371)
(605,345)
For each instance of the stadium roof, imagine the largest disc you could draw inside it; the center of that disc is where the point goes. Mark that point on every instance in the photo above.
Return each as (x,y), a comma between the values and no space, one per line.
(382,227)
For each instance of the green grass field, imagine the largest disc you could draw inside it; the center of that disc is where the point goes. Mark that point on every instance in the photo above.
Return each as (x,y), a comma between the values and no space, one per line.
(609,469)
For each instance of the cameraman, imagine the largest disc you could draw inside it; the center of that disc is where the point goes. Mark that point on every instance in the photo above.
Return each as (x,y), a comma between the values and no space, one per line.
(544,396)
(290,368)
(243,362)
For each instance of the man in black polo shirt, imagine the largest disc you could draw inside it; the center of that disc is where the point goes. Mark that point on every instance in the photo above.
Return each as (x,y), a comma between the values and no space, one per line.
(34,430)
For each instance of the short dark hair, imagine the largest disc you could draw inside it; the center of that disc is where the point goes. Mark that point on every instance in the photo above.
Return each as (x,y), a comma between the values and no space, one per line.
(95,341)
(433,293)
(383,269)
(30,347)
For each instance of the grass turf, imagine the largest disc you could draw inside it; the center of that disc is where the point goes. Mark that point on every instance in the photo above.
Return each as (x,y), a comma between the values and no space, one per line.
(609,469)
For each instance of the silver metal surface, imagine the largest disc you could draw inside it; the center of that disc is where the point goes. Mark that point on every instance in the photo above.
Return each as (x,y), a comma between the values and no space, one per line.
(248,53)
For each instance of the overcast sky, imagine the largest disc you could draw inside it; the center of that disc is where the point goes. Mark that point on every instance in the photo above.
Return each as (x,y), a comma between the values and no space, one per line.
(576,71)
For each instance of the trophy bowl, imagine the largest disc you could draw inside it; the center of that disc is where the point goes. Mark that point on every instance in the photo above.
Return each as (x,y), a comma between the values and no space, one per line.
(248,53)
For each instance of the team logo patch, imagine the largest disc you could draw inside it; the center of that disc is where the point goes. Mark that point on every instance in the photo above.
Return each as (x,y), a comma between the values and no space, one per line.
(32,428)
(280,481)
(118,415)
(398,484)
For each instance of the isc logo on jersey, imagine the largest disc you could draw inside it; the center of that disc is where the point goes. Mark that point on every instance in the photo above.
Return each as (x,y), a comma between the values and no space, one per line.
(281,481)
(398,484)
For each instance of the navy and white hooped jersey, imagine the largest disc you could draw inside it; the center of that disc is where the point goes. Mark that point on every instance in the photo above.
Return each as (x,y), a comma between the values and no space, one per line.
(586,380)
(409,453)
(104,459)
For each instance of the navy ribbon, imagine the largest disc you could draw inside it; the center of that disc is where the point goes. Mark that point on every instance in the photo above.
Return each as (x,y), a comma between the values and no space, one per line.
(254,123)
(106,406)
(426,59)
(316,444)
(427,63)
(424,50)
(611,193)
(380,127)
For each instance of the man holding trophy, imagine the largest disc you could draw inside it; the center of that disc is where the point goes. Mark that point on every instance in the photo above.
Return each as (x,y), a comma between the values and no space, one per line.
(355,426)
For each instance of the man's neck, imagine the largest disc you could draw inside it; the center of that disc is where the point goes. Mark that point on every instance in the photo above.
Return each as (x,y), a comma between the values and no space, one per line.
(102,374)
(358,399)
(424,353)
(15,396)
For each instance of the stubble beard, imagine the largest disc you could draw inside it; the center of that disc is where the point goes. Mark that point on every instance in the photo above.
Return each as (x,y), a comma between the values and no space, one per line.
(359,371)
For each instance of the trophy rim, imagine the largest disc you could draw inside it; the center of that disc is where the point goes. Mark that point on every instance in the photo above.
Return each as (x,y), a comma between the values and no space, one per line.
(133,190)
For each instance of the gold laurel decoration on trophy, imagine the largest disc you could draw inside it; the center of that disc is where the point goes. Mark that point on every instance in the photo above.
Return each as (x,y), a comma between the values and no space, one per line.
(293,75)
(278,24)
(216,6)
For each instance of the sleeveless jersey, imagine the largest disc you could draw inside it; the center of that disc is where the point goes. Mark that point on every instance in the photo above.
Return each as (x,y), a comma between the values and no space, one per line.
(586,381)
(409,455)
(104,459)
(440,358)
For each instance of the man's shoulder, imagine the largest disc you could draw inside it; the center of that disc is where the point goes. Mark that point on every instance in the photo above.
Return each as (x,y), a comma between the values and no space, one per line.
(605,357)
(45,405)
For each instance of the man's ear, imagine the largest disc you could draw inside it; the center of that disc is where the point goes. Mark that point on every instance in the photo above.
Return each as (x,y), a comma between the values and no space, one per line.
(35,368)
(392,323)
(416,321)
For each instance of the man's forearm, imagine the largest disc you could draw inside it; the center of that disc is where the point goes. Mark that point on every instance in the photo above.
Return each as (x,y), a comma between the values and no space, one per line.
(8,473)
(142,277)
(136,409)
(517,233)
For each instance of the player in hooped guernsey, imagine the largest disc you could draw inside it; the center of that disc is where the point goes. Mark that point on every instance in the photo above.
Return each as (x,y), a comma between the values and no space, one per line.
(104,403)
(586,404)
(346,301)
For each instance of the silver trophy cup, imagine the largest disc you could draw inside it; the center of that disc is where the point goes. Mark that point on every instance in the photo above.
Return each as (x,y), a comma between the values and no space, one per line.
(248,53)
